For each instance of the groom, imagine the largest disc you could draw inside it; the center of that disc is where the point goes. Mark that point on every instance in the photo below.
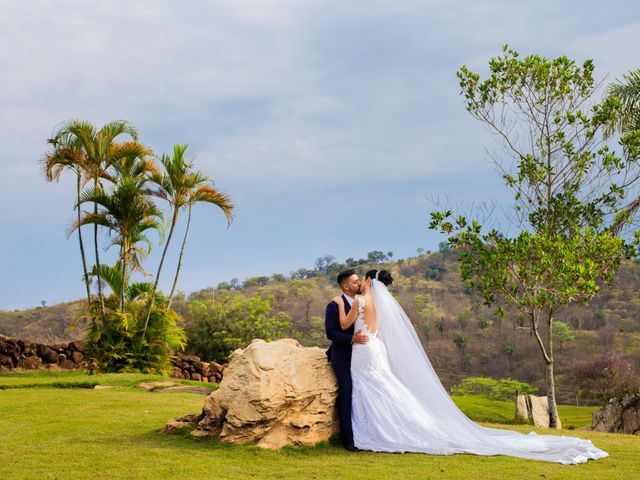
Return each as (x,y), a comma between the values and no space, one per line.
(339,352)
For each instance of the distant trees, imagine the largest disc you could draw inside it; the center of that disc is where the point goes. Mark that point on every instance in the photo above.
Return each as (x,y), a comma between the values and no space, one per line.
(574,195)
(606,377)
(509,349)
(219,327)
(461,340)
(441,326)
(504,389)
(562,334)
(426,332)
(323,263)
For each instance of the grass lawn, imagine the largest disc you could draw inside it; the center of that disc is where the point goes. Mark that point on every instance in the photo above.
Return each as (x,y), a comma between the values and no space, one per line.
(78,433)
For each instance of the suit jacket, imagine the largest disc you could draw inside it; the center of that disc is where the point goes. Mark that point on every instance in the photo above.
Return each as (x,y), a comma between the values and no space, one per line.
(339,353)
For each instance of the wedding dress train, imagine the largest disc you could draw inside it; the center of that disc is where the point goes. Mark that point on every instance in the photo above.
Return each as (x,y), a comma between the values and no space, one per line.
(399,404)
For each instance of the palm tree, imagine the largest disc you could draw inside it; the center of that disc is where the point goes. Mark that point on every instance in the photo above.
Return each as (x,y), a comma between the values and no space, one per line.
(461,339)
(509,349)
(127,213)
(441,325)
(182,187)
(66,155)
(628,91)
(112,276)
(100,150)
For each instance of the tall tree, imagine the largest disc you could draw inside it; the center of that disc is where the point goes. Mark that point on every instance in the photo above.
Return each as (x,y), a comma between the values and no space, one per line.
(182,187)
(127,213)
(570,189)
(461,339)
(66,155)
(100,149)
(627,91)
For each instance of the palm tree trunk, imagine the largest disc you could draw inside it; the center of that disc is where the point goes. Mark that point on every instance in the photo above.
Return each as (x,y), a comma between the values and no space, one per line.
(97,252)
(123,261)
(184,241)
(174,220)
(82,254)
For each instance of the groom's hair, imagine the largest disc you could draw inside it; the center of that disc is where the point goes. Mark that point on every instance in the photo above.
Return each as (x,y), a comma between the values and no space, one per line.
(344,275)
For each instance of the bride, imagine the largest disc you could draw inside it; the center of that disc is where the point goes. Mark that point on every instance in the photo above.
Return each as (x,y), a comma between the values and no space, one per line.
(399,404)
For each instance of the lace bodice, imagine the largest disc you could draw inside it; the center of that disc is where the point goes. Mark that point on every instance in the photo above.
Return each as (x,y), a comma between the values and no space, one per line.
(360,324)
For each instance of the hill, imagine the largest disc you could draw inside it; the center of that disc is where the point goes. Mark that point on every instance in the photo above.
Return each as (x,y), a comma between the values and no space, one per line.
(429,288)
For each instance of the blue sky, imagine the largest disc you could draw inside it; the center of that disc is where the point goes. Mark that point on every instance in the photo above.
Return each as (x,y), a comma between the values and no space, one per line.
(330,123)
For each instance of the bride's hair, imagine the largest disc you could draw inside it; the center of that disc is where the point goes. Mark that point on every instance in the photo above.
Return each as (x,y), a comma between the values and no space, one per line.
(380,275)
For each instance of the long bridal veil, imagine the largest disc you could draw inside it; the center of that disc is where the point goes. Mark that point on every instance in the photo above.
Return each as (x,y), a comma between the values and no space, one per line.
(409,363)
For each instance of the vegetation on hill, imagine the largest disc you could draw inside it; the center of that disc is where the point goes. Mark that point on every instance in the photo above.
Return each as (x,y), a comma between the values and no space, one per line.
(428,287)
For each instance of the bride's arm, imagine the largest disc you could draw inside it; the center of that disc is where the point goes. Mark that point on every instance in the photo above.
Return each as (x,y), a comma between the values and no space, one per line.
(346,320)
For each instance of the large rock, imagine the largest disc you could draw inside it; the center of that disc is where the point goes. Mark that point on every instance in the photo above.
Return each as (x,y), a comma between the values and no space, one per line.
(620,415)
(273,394)
(534,409)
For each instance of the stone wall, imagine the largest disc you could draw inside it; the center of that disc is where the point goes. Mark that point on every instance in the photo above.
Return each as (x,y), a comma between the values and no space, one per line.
(26,355)
(191,367)
(23,354)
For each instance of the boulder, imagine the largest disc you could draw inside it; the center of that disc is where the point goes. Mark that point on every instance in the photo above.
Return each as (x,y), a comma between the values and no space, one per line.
(31,363)
(67,364)
(77,357)
(7,361)
(78,345)
(48,355)
(273,394)
(188,421)
(533,409)
(620,415)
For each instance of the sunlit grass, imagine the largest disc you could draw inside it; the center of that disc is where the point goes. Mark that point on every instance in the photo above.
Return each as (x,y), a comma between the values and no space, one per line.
(52,433)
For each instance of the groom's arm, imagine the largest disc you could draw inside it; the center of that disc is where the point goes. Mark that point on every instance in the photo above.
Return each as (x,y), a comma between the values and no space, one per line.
(332,326)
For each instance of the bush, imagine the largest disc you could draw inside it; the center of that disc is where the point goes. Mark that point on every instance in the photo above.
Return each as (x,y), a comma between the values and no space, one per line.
(606,377)
(491,388)
(219,327)
(115,340)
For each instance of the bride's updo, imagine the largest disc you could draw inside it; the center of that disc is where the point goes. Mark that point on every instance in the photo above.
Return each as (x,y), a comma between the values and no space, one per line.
(380,275)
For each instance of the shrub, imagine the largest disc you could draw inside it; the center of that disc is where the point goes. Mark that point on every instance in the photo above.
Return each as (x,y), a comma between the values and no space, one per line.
(606,377)
(491,388)
(219,327)
(115,340)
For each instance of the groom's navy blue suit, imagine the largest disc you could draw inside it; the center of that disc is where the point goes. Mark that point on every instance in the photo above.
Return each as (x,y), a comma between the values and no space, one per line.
(339,354)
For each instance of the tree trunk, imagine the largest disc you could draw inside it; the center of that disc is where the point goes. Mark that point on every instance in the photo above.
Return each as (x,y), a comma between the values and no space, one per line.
(97,252)
(184,241)
(123,276)
(551,384)
(547,354)
(174,220)
(82,254)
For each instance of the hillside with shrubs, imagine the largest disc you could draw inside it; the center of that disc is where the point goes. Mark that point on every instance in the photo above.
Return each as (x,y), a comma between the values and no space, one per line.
(462,337)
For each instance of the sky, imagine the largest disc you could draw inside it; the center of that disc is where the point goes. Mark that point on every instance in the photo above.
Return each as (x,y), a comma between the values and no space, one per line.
(333,125)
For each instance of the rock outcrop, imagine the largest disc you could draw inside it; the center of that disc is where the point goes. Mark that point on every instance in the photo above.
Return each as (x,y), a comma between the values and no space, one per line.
(273,394)
(534,409)
(620,415)
(26,355)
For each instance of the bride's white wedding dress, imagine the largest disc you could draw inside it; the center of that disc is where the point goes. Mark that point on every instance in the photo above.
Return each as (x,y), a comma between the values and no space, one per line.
(399,404)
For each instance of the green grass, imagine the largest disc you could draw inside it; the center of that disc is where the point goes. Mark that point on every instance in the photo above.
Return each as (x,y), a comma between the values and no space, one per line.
(483,410)
(52,433)
(76,379)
